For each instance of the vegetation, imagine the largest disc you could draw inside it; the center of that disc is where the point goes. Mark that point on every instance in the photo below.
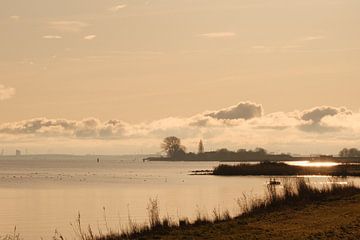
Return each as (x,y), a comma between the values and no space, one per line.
(172,147)
(299,210)
(282,169)
(175,151)
(295,194)
(349,153)
(13,236)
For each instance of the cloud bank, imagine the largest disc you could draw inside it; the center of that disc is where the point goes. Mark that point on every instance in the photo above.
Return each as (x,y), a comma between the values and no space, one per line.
(323,128)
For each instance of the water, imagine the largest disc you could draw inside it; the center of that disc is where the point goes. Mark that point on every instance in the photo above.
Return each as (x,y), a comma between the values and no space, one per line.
(39,195)
(313,164)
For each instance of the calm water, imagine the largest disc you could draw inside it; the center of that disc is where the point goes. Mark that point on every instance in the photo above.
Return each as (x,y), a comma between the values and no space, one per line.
(39,196)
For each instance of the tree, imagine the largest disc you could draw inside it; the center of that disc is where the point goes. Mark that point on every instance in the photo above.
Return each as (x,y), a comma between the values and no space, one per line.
(352,152)
(344,152)
(261,151)
(223,150)
(201,147)
(172,147)
(241,150)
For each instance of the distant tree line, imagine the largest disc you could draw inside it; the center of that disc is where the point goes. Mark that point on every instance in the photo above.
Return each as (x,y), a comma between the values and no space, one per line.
(349,152)
(173,149)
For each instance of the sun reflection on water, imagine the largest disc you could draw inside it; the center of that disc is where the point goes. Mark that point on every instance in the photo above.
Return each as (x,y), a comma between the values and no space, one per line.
(313,164)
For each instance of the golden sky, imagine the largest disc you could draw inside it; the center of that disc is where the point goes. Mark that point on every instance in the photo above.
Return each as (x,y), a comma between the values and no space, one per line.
(144,61)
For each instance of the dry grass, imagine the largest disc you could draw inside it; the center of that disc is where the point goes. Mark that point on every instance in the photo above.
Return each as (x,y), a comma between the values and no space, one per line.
(13,236)
(295,194)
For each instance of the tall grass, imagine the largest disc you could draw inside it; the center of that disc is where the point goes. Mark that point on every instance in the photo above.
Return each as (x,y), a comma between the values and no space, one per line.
(295,192)
(13,236)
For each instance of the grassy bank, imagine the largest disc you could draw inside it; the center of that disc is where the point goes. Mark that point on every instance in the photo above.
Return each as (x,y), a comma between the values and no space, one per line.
(282,169)
(254,222)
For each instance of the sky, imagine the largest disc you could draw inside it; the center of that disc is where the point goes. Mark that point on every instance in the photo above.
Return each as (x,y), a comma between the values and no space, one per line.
(115,77)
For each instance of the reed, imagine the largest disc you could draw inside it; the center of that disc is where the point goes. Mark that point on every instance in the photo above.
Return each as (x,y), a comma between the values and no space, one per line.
(295,191)
(267,168)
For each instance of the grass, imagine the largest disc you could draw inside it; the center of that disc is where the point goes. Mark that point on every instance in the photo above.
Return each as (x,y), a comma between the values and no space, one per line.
(14,236)
(294,193)
(283,169)
(276,206)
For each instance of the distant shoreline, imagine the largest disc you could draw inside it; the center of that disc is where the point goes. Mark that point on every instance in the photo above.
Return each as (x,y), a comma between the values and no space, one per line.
(311,159)
(283,169)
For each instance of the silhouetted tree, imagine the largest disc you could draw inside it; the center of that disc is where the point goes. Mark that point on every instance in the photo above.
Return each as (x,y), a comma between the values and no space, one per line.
(352,152)
(344,152)
(201,147)
(261,151)
(222,150)
(172,147)
(241,150)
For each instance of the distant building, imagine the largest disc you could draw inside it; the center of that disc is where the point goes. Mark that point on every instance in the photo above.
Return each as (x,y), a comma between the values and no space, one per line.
(18,152)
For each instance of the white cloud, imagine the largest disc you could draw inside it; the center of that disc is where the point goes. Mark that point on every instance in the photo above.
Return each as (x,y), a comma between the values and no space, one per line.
(117,7)
(240,126)
(6,92)
(89,37)
(52,37)
(312,38)
(68,26)
(218,35)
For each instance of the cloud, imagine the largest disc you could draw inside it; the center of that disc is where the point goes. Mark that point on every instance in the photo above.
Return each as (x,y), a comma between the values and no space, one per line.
(218,35)
(52,37)
(243,125)
(15,17)
(6,92)
(243,110)
(86,128)
(314,117)
(117,7)
(68,26)
(312,38)
(89,37)
(316,114)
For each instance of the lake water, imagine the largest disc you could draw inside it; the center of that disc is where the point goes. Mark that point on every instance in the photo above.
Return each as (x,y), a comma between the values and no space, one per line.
(39,195)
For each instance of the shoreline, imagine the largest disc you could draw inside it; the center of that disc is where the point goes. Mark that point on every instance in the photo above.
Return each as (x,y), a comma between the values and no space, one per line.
(296,199)
(283,169)
(305,205)
(311,221)
(293,159)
